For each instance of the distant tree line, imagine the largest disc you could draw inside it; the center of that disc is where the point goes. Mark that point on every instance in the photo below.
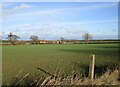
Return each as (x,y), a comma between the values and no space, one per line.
(13,39)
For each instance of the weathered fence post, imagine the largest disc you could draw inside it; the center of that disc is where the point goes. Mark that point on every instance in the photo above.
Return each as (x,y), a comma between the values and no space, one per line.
(91,67)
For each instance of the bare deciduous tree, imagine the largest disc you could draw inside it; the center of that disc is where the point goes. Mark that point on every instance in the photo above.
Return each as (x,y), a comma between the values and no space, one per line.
(87,37)
(34,39)
(62,38)
(12,38)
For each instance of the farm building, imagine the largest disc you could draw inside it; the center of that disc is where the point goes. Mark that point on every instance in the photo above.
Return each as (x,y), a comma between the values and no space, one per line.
(42,42)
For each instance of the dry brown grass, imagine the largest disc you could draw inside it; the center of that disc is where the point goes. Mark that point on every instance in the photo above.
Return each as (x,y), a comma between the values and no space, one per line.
(108,78)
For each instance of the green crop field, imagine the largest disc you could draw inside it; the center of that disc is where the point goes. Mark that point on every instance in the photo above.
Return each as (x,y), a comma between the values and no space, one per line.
(51,57)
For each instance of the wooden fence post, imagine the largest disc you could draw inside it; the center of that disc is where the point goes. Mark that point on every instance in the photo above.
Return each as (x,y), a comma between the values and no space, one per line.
(91,67)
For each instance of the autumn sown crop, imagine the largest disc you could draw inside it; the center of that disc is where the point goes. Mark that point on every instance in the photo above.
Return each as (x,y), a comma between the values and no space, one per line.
(67,58)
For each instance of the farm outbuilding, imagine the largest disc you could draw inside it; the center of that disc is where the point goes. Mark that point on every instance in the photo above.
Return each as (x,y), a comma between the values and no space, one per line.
(42,42)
